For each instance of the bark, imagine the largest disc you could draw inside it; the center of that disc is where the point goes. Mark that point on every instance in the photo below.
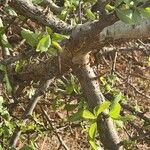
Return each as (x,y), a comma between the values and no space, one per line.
(26,8)
(29,110)
(91,88)
(121,30)
(56,9)
(84,38)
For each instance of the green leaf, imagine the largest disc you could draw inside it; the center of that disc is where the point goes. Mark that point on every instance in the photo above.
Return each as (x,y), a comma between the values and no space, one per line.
(57,46)
(109,7)
(119,123)
(52,51)
(127,1)
(145,12)
(92,130)
(1,23)
(112,79)
(26,148)
(128,143)
(2,67)
(59,37)
(19,65)
(126,16)
(108,87)
(115,111)
(12,148)
(30,37)
(103,80)
(137,107)
(1,100)
(6,80)
(44,44)
(64,14)
(10,11)
(75,86)
(136,17)
(118,2)
(90,15)
(5,42)
(70,107)
(69,89)
(126,118)
(88,115)
(49,30)
(7,83)
(148,61)
(2,30)
(99,109)
(76,116)
(74,2)
(94,145)
(1,148)
(118,98)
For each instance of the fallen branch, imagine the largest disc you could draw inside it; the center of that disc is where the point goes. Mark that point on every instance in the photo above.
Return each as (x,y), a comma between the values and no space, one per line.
(62,143)
(29,110)
(139,92)
(136,113)
(13,59)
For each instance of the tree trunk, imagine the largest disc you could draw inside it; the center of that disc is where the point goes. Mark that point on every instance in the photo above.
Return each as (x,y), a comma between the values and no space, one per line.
(91,89)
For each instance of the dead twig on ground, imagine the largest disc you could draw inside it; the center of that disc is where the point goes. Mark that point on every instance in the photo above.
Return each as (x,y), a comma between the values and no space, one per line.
(29,110)
(62,143)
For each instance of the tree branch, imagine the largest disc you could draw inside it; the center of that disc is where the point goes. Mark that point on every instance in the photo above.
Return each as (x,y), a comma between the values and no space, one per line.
(54,8)
(26,8)
(137,113)
(91,89)
(121,30)
(29,110)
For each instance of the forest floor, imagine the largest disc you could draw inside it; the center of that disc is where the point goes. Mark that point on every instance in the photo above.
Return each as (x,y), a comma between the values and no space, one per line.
(133,72)
(130,63)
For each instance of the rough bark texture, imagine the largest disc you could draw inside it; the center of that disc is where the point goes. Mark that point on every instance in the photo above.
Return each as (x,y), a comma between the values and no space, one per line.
(26,8)
(91,89)
(84,38)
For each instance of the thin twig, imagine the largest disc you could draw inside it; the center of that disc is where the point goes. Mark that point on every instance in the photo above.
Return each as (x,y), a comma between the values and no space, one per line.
(29,110)
(62,143)
(42,146)
(137,113)
(139,92)
(114,63)
(13,59)
(54,8)
(80,11)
